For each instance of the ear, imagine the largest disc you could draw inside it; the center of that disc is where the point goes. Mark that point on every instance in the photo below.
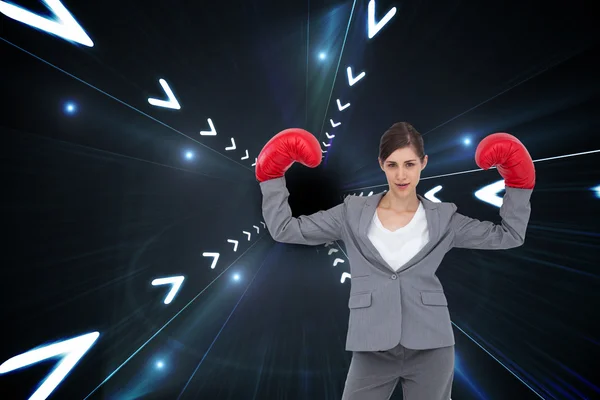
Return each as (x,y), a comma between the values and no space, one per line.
(380,163)
(424,162)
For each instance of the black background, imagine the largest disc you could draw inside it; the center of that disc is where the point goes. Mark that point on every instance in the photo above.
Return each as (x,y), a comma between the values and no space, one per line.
(97,204)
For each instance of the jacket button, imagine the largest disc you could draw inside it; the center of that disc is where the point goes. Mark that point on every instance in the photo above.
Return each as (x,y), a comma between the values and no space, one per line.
(394,276)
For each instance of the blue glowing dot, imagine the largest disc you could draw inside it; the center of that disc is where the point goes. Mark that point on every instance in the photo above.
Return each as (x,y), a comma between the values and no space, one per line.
(467,141)
(597,190)
(70,108)
(160,364)
(322,56)
(189,155)
(236,277)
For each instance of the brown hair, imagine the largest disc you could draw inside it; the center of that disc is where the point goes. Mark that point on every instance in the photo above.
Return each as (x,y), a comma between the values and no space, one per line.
(398,136)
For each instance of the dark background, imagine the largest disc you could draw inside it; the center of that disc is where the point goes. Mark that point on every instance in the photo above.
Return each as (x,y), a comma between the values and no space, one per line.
(99,202)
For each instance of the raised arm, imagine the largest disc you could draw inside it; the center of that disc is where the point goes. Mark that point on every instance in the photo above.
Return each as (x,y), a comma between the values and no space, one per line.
(470,233)
(318,228)
(276,157)
(516,167)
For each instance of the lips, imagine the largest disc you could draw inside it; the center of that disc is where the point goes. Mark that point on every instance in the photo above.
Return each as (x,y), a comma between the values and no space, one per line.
(405,185)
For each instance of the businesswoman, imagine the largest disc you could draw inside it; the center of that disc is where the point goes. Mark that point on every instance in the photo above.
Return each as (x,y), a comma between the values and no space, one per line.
(399,328)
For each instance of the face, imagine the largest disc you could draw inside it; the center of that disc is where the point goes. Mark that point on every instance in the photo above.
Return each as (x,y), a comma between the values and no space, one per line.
(403,166)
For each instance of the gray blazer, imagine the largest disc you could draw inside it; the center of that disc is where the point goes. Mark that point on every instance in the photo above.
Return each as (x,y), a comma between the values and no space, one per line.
(407,307)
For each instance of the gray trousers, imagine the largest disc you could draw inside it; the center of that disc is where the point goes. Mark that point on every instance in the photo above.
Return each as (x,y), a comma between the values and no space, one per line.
(423,374)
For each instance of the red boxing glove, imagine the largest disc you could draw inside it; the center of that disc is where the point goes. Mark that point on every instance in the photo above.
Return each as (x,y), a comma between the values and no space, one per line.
(285,148)
(511,158)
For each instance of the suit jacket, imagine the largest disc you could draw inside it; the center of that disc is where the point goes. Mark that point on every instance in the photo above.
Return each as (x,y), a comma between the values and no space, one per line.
(409,306)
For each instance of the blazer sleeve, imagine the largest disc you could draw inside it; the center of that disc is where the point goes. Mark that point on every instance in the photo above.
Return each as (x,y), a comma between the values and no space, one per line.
(515,211)
(318,228)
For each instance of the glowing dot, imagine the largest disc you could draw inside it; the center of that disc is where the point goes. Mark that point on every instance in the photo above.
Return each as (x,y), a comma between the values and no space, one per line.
(160,364)
(597,190)
(236,277)
(322,56)
(70,108)
(467,141)
(189,155)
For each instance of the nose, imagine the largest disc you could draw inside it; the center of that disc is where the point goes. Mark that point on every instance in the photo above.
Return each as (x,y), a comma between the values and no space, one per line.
(401,174)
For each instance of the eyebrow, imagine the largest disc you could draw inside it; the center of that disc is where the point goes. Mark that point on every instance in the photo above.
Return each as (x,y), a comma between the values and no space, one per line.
(404,161)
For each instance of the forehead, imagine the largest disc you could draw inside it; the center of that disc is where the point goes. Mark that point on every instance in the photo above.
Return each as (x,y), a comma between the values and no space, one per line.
(402,155)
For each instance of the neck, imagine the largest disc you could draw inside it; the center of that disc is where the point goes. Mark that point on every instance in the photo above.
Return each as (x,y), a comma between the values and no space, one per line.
(405,204)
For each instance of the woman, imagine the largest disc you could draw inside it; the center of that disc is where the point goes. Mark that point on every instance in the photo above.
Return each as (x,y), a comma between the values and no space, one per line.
(399,328)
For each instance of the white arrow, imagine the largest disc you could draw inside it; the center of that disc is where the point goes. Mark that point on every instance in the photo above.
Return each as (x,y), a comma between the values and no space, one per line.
(63,25)
(235,243)
(344,276)
(489,193)
(326,144)
(215,258)
(263,224)
(332,251)
(328,244)
(342,108)
(329,136)
(337,261)
(71,350)
(255,161)
(376,27)
(334,124)
(171,103)
(370,193)
(246,156)
(257,228)
(247,233)
(232,145)
(361,193)
(176,281)
(352,80)
(212,132)
(431,194)
(323,151)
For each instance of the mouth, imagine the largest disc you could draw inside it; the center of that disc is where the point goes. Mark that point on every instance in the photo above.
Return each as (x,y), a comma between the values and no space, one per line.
(404,186)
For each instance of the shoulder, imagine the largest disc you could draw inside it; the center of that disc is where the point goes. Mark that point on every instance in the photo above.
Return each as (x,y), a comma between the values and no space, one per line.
(355,200)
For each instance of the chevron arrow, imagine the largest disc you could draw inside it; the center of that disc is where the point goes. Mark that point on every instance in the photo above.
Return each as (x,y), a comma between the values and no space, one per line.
(171,103)
(235,244)
(175,281)
(326,144)
(246,156)
(344,276)
(334,124)
(215,257)
(337,261)
(70,352)
(340,107)
(332,251)
(351,79)
(247,233)
(212,132)
(323,151)
(255,161)
(328,244)
(376,27)
(257,228)
(232,145)
(489,193)
(431,194)
(63,25)
(329,136)
(263,224)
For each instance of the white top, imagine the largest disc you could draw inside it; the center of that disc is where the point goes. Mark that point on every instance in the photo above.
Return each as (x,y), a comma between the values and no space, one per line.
(399,246)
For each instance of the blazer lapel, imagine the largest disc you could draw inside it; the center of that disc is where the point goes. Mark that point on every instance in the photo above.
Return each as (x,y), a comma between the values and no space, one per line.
(367,214)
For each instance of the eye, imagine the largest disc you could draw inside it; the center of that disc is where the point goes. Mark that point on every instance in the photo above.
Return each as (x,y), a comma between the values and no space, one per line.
(410,164)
